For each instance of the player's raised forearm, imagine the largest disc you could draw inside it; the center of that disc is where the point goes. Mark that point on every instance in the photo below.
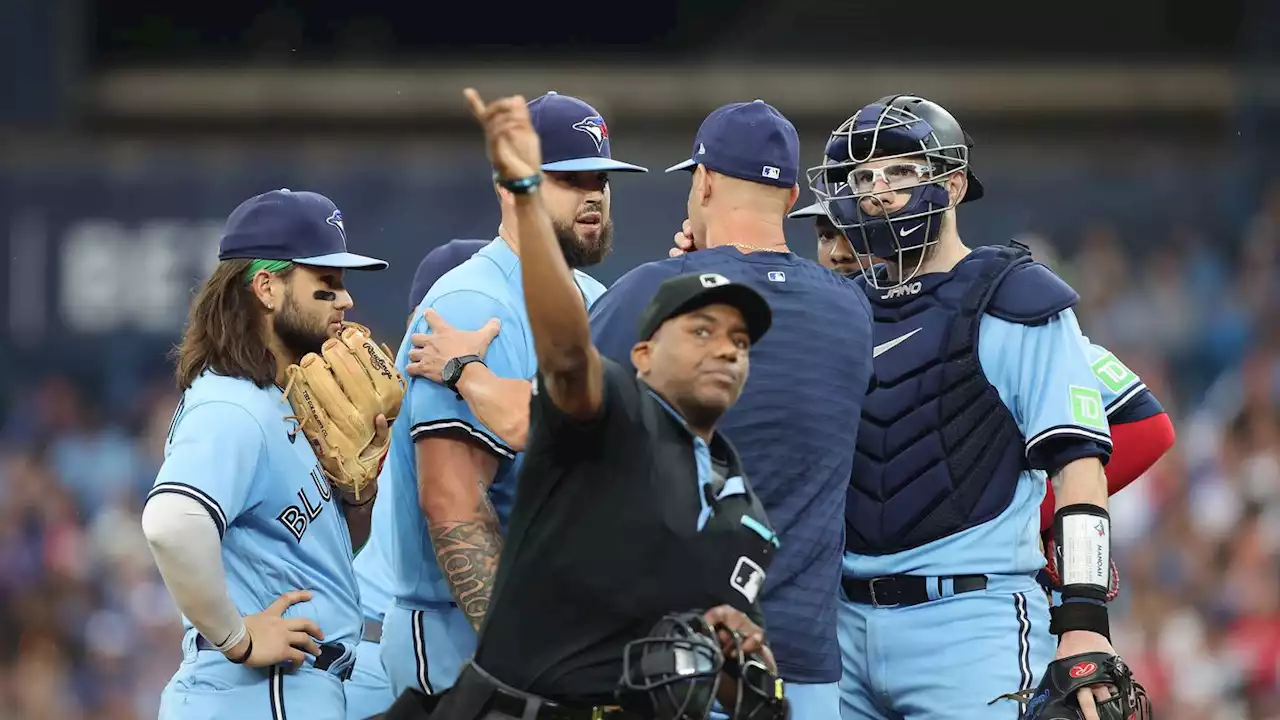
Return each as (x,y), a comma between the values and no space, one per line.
(1081,482)
(501,404)
(454,478)
(558,319)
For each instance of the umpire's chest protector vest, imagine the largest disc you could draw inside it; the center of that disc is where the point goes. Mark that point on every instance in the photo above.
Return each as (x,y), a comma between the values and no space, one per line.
(938,450)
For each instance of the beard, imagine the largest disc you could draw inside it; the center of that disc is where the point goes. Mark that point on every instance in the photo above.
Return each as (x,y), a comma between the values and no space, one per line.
(583,252)
(297,334)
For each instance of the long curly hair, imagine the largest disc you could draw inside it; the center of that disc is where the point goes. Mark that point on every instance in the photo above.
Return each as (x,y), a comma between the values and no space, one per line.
(224,330)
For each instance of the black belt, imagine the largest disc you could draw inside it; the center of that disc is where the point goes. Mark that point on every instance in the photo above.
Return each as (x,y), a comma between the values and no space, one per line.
(476,693)
(372,631)
(329,653)
(514,706)
(905,590)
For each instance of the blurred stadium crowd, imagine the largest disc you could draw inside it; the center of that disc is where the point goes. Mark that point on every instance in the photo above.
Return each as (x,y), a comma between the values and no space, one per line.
(87,630)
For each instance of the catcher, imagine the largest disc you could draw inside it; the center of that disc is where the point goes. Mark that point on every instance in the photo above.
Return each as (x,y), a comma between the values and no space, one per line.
(253,531)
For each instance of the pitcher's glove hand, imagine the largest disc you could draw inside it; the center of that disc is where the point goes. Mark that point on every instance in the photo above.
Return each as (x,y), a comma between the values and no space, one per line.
(337,398)
(1057,696)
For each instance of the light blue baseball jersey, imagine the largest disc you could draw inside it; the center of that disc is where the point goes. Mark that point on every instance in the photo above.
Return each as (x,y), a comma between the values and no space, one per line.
(373,565)
(232,449)
(488,285)
(1044,376)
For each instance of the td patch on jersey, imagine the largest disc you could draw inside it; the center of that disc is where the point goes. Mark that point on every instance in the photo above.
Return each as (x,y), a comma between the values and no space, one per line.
(747,578)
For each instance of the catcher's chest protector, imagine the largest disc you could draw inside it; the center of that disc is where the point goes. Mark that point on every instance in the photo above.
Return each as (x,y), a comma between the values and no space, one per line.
(938,451)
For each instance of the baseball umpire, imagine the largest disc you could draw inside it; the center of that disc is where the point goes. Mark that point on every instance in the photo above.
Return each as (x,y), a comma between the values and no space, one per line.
(631,507)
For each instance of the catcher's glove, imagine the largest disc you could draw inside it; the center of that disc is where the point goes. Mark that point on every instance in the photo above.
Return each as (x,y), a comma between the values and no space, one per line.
(1050,578)
(1055,698)
(336,398)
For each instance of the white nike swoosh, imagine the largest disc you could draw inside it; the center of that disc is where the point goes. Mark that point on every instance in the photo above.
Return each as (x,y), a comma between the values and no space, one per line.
(905,233)
(882,348)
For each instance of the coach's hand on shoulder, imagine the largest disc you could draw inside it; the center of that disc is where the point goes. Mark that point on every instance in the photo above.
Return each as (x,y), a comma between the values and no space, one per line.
(271,639)
(1076,642)
(431,352)
(510,138)
(683,240)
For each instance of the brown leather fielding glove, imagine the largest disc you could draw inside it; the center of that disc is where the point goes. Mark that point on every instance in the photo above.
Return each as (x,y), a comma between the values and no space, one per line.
(336,397)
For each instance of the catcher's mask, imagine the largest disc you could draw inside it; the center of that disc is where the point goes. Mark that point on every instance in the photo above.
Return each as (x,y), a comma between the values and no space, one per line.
(930,147)
(760,691)
(674,673)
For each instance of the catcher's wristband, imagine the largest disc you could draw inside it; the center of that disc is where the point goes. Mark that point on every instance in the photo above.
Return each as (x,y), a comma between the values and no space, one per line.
(1082,534)
(1080,615)
(518,186)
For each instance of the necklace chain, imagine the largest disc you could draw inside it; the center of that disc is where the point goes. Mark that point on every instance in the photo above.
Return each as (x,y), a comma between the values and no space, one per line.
(749,248)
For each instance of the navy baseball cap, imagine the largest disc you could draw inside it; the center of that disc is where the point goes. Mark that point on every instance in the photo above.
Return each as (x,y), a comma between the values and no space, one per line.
(574,136)
(813,210)
(749,141)
(438,262)
(301,227)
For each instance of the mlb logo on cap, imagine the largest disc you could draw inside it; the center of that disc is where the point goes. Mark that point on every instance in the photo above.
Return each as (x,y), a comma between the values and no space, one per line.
(574,136)
(749,141)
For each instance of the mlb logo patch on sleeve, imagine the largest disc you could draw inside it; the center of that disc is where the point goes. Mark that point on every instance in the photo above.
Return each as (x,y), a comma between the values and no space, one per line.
(777,276)
(747,578)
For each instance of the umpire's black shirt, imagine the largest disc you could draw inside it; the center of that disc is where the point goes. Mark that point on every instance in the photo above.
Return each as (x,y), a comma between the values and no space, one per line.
(604,541)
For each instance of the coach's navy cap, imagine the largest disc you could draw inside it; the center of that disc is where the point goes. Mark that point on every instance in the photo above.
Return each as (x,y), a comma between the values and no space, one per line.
(438,262)
(813,210)
(574,136)
(749,141)
(302,227)
(686,293)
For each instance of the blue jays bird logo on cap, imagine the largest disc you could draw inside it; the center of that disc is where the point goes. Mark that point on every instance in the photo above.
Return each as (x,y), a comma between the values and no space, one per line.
(594,126)
(336,220)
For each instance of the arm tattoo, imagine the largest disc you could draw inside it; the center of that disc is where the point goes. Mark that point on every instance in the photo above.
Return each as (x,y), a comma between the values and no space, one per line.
(468,552)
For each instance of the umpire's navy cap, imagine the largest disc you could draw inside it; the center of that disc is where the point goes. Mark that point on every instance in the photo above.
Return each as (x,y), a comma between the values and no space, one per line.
(749,141)
(302,227)
(574,136)
(686,293)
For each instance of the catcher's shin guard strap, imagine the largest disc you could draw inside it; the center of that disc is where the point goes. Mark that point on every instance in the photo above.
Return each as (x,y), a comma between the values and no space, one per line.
(1083,535)
(1084,615)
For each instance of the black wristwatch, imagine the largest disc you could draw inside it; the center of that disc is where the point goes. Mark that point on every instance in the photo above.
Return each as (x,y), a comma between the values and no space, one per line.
(452,371)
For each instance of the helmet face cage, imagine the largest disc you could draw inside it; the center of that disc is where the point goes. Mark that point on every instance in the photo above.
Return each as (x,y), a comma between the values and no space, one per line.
(676,670)
(887,131)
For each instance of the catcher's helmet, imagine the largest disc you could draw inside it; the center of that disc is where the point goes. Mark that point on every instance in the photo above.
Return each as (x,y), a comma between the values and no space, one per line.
(933,147)
(674,673)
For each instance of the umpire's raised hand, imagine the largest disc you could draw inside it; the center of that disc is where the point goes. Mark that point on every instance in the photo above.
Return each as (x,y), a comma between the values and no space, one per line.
(510,139)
